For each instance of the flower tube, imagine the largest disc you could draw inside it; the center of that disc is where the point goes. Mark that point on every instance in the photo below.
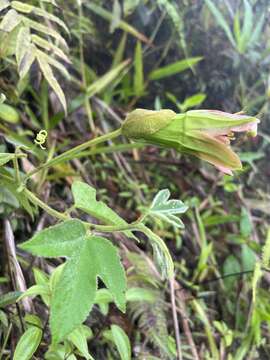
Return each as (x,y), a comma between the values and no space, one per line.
(206,134)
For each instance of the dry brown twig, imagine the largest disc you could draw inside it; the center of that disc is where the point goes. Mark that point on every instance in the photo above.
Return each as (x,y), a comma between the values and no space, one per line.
(16,274)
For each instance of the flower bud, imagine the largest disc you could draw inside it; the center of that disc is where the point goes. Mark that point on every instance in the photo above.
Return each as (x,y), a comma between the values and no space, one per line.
(205,134)
(140,122)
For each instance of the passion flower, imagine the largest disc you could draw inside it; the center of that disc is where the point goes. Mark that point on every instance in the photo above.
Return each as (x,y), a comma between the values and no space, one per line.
(206,134)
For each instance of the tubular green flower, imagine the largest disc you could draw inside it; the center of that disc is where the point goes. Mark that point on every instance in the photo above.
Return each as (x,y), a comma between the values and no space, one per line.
(205,134)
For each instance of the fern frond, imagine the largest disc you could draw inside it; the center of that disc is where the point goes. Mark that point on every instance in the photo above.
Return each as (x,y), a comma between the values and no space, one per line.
(49,76)
(150,316)
(19,21)
(45,30)
(10,21)
(26,8)
(153,324)
(50,47)
(23,43)
(51,61)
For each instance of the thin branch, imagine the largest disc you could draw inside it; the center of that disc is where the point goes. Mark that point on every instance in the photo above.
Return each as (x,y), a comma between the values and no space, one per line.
(175,320)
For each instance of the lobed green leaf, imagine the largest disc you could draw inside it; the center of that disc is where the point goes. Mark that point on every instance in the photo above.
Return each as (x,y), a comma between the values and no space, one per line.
(74,287)
(165,209)
(85,199)
(58,240)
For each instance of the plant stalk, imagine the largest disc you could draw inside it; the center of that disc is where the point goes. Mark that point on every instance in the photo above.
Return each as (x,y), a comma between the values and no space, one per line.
(175,320)
(62,216)
(35,200)
(69,153)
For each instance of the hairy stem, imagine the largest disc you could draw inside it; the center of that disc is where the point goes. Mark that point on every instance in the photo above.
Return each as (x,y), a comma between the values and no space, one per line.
(16,164)
(64,216)
(35,200)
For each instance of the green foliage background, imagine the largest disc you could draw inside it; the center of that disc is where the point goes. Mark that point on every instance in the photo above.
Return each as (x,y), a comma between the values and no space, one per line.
(117,56)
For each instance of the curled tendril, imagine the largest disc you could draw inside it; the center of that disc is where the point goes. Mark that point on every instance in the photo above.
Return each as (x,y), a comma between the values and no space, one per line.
(41,138)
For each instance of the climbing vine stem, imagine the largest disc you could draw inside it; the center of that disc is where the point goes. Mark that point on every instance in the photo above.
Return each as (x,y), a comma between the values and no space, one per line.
(65,216)
(74,151)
